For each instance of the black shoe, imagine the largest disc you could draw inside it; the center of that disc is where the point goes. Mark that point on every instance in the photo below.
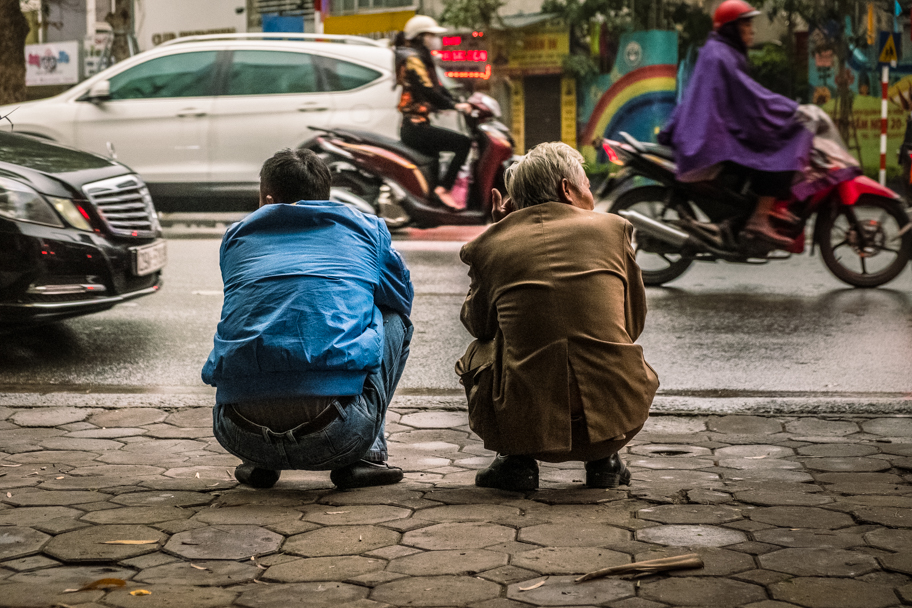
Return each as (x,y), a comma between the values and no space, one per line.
(511,473)
(362,474)
(250,475)
(607,473)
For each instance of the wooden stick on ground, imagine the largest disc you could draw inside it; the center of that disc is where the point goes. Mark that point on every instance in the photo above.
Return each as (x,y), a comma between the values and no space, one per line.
(679,562)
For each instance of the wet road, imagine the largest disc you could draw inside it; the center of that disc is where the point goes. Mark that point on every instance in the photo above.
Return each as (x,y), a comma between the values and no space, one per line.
(787,328)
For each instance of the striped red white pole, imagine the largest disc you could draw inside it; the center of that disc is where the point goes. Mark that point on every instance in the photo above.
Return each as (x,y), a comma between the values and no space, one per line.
(884,83)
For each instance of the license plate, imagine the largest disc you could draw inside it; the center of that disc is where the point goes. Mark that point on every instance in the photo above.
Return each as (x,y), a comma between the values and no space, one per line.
(149,258)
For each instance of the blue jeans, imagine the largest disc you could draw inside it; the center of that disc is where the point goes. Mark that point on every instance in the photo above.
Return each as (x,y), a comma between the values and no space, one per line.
(357,433)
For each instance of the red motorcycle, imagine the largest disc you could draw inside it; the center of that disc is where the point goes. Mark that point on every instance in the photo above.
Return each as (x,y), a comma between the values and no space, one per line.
(382,176)
(861,227)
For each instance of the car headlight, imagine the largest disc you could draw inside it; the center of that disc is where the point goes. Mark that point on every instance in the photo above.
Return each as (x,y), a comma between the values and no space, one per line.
(74,216)
(19,202)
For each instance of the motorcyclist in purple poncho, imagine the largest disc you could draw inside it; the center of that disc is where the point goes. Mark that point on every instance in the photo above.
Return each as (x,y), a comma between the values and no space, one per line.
(727,120)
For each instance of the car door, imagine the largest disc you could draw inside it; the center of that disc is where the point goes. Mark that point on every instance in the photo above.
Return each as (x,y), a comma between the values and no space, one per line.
(269,100)
(364,97)
(156,118)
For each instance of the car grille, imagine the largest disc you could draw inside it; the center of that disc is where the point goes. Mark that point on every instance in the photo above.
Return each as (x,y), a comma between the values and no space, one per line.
(125,206)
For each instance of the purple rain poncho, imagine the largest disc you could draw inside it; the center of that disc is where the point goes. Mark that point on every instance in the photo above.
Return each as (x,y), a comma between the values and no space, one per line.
(725,115)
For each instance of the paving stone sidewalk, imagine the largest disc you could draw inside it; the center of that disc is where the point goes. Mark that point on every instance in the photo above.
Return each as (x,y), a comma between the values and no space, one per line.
(785,511)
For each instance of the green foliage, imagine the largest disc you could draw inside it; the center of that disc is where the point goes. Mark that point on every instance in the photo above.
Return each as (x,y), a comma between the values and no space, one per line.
(770,66)
(471,14)
(579,66)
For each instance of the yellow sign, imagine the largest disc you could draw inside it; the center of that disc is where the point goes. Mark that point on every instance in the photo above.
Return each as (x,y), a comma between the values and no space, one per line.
(518,114)
(568,111)
(870,23)
(372,25)
(888,54)
(540,51)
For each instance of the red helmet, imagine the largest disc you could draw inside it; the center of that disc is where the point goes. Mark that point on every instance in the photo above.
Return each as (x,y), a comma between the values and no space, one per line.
(732,10)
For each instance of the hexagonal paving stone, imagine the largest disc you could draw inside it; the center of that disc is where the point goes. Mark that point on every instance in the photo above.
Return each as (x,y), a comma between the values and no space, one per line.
(134,416)
(716,562)
(809,538)
(885,516)
(340,540)
(847,464)
(464,513)
(47,417)
(19,542)
(749,464)
(892,540)
(890,427)
(340,568)
(315,594)
(568,560)
(171,596)
(691,536)
(758,452)
(434,420)
(430,563)
(819,562)
(898,562)
(800,517)
(563,591)
(70,577)
(436,590)
(718,593)
(215,573)
(670,463)
(163,499)
(258,515)
(744,425)
(670,451)
(581,534)
(224,542)
(357,514)
(29,516)
(468,535)
(833,593)
(817,427)
(136,515)
(88,544)
(690,514)
(688,479)
(837,450)
(54,498)
(27,595)
(674,425)
(782,499)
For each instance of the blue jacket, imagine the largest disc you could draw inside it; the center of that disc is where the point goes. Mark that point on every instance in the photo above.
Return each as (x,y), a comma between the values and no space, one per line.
(303,284)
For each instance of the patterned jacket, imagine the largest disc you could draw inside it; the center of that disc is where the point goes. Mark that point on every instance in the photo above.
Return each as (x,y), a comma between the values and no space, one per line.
(422,92)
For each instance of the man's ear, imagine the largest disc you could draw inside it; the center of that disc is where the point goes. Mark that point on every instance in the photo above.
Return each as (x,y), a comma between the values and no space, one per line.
(564,191)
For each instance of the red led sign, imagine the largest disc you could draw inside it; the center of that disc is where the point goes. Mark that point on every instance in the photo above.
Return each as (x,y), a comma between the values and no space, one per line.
(451,40)
(464,56)
(469,74)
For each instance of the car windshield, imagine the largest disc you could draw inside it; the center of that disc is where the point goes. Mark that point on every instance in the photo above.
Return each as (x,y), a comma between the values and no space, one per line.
(41,156)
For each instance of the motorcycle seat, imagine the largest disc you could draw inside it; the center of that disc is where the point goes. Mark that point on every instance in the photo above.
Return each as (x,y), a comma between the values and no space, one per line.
(659,150)
(394,145)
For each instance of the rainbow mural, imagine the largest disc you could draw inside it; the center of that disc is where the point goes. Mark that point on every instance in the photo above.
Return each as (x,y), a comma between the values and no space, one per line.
(637,96)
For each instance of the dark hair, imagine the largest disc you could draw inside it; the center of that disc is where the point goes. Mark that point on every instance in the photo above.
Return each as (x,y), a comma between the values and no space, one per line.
(295,175)
(731,35)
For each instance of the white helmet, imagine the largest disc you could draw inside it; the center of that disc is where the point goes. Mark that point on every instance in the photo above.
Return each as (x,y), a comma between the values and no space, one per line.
(421,24)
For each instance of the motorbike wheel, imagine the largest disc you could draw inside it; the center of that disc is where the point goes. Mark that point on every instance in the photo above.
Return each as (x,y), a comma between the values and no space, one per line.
(657,268)
(371,191)
(885,252)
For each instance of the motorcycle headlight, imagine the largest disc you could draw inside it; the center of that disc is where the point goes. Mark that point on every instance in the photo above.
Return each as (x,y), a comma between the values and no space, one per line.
(74,216)
(19,202)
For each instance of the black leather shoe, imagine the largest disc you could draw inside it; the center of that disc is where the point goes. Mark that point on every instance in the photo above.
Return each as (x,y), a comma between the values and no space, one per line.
(250,475)
(511,473)
(362,474)
(607,473)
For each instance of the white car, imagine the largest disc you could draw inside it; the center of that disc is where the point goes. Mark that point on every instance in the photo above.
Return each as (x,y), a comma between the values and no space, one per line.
(197,116)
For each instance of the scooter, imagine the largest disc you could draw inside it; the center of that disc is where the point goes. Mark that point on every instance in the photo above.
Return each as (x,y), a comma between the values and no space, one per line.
(383,176)
(861,227)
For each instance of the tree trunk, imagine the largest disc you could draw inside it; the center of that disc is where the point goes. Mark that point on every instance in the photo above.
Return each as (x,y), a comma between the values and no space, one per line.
(15,29)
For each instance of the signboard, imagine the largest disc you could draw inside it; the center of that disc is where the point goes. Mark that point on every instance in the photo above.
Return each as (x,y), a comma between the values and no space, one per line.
(888,53)
(52,63)
(568,111)
(465,55)
(373,25)
(542,51)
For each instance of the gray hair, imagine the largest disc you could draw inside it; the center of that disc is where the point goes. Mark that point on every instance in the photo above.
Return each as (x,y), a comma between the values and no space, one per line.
(537,177)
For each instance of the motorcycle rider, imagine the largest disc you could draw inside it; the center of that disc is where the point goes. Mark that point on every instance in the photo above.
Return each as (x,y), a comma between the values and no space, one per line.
(728,120)
(423,94)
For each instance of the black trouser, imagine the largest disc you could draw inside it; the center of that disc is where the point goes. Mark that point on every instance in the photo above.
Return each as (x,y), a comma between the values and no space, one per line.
(431,141)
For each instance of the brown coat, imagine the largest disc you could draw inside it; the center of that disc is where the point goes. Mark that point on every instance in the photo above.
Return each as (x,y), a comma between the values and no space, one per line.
(556,302)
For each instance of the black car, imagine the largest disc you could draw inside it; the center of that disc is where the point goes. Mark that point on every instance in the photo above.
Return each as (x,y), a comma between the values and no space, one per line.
(78,233)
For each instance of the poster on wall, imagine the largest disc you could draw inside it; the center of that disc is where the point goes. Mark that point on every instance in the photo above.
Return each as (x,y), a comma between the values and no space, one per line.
(638,94)
(52,63)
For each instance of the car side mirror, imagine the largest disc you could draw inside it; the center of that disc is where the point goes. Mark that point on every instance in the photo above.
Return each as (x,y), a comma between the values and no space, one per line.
(100,91)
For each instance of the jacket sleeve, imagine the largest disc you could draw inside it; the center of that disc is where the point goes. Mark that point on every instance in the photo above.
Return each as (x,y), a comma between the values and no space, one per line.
(635,304)
(395,289)
(478,315)
(419,80)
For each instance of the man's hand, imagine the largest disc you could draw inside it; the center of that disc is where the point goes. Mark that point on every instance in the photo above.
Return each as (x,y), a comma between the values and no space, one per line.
(465,108)
(500,207)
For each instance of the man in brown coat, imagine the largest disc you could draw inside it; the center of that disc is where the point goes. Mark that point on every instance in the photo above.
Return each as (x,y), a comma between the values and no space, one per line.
(555,304)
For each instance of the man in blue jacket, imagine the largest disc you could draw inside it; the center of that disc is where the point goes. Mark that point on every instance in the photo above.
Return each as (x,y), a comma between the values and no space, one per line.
(314,333)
